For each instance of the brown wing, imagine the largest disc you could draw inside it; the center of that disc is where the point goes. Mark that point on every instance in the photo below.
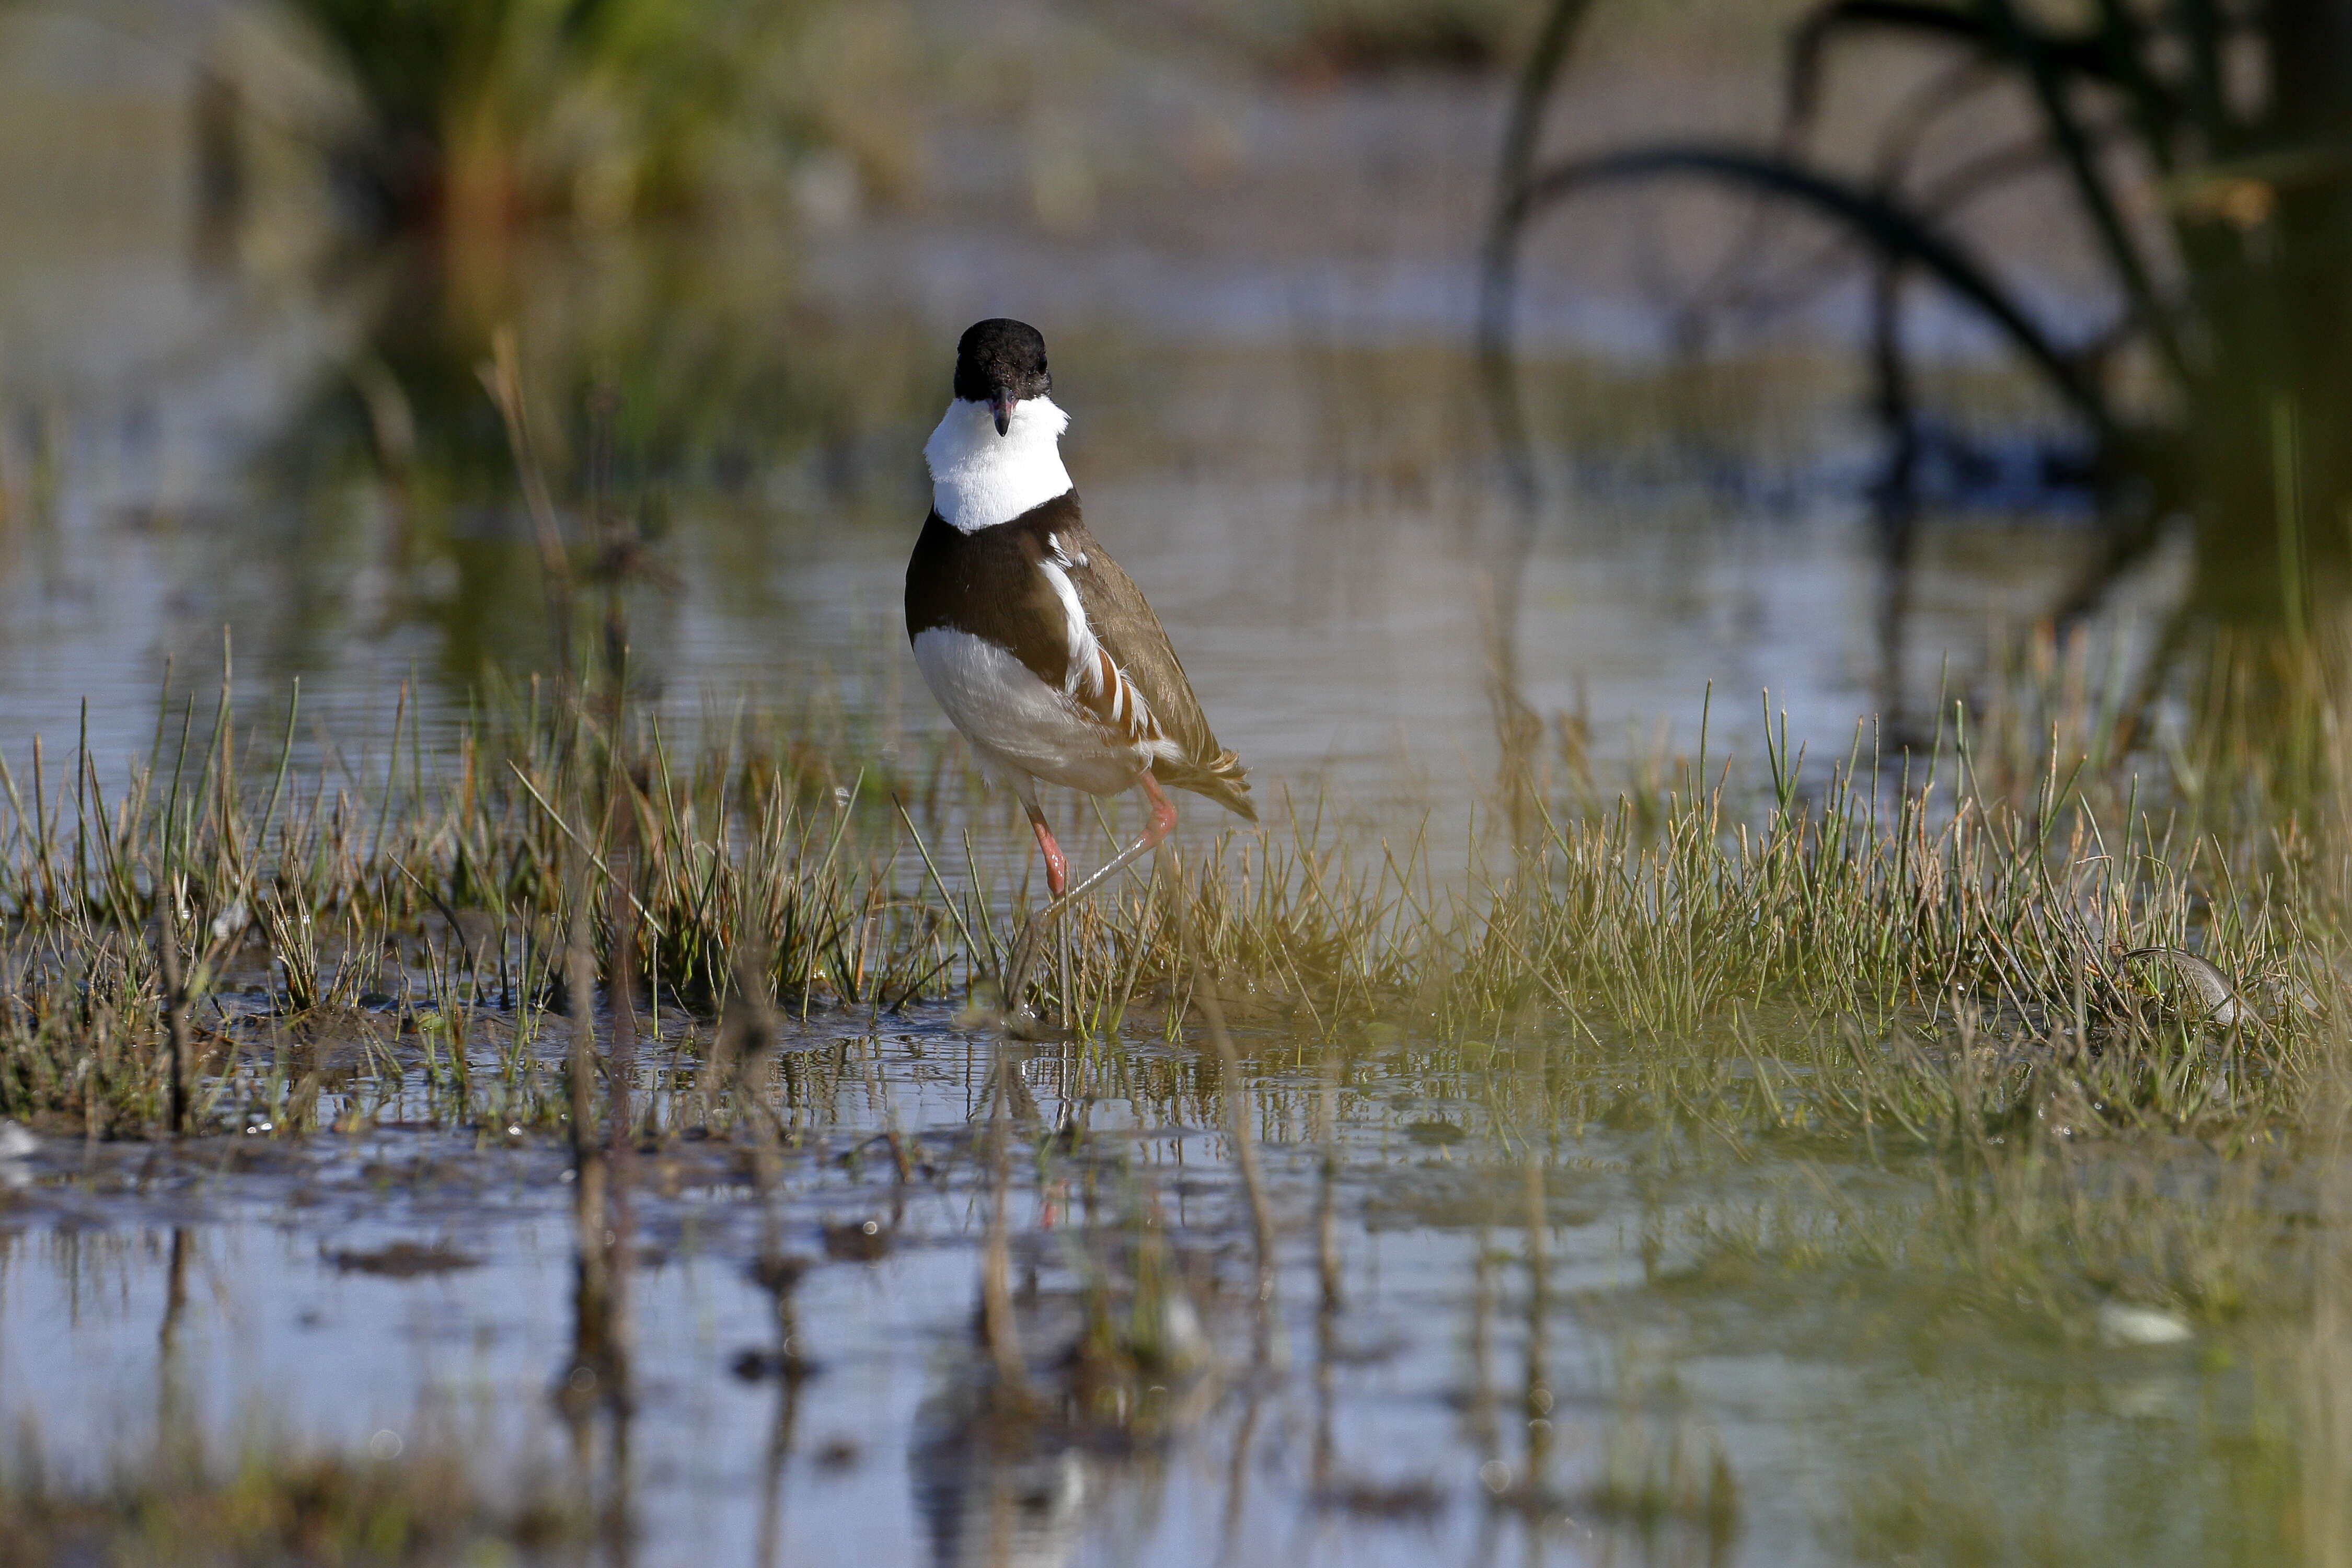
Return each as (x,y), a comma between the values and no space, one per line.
(1125,627)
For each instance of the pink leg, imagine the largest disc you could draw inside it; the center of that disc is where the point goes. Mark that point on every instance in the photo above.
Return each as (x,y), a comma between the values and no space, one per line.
(1163,812)
(1163,823)
(1155,831)
(1057,868)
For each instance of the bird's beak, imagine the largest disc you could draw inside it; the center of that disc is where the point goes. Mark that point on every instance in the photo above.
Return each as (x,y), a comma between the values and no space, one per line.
(1001,404)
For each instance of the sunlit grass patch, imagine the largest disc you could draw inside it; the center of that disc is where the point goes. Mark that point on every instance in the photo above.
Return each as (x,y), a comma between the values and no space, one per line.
(1958,955)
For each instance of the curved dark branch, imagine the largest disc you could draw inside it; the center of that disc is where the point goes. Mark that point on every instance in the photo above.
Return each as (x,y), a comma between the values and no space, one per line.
(2049,79)
(1533,96)
(1906,128)
(1936,204)
(2123,38)
(2201,28)
(1888,226)
(1759,288)
(1520,136)
(1996,167)
(2078,55)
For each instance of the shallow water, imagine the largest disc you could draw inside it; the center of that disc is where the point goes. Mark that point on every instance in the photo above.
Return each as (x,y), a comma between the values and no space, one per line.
(1477,1390)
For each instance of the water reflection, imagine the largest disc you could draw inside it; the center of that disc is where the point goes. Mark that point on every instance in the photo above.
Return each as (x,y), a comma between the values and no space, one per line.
(995,1491)
(173,1423)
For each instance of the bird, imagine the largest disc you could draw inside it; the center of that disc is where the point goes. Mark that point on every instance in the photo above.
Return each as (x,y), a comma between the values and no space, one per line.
(1042,652)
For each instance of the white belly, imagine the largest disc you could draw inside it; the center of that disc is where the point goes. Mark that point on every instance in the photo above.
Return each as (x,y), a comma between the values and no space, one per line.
(1017,724)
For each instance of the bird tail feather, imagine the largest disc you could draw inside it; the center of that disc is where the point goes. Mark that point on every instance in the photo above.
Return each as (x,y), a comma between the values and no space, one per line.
(1225,781)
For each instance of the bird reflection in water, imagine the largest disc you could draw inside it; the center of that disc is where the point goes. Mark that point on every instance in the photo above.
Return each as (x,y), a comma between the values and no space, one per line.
(997,1490)
(1115,1373)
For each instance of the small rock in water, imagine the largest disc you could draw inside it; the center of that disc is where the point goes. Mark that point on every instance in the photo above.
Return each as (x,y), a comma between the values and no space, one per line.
(777,1273)
(2120,1323)
(760,1366)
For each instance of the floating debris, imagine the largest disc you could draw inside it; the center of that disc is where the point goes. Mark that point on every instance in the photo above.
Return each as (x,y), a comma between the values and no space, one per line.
(2121,1323)
(764,1365)
(1400,1502)
(862,1241)
(404,1260)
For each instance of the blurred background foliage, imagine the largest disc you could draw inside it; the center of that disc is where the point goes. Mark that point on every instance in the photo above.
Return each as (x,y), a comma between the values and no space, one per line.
(2201,154)
(2204,155)
(258,248)
(476,118)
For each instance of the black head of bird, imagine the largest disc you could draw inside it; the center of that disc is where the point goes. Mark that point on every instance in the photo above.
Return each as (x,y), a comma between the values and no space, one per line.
(1002,363)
